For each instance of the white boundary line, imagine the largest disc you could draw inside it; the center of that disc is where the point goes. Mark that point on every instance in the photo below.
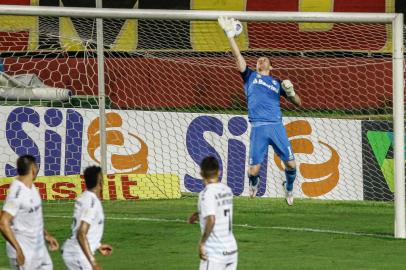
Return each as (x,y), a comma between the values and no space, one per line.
(280,228)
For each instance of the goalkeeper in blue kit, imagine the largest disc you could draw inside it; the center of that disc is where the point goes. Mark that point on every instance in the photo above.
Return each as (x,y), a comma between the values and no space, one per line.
(264,113)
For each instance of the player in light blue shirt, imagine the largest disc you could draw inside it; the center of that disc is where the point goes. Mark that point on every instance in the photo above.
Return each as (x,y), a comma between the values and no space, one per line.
(263,98)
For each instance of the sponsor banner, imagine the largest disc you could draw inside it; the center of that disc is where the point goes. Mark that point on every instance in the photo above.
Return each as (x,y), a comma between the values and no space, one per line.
(327,167)
(65,141)
(377,152)
(115,186)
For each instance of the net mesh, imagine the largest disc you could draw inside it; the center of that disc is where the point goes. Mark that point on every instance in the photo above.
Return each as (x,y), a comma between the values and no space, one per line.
(174,95)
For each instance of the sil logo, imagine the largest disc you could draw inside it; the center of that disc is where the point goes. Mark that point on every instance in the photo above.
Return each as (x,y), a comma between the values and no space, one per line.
(131,163)
(324,176)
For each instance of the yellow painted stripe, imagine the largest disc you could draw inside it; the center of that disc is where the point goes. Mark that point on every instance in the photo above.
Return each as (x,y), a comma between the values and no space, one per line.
(22,23)
(389,8)
(127,39)
(124,186)
(151,186)
(316,6)
(68,37)
(208,36)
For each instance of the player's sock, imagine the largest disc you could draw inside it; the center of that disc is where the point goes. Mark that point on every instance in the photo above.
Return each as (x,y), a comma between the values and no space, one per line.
(253,179)
(290,178)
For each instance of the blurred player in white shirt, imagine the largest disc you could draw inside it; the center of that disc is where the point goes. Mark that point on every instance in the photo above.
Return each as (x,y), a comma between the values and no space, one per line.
(87,227)
(22,223)
(217,247)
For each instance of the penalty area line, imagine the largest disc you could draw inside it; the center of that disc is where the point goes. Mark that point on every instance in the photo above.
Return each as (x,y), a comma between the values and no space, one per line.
(279,228)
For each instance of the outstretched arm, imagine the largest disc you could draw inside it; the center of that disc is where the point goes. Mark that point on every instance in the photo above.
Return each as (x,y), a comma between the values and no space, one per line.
(296,100)
(227,25)
(290,93)
(241,64)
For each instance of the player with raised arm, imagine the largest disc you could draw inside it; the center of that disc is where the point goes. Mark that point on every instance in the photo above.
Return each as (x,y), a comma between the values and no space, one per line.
(87,227)
(263,98)
(22,222)
(217,246)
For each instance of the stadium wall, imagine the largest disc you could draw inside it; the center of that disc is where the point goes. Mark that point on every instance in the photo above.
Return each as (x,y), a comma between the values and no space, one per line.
(183,82)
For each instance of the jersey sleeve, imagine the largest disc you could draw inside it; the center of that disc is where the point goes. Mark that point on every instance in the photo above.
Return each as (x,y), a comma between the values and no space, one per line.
(208,205)
(89,211)
(246,74)
(13,200)
(282,91)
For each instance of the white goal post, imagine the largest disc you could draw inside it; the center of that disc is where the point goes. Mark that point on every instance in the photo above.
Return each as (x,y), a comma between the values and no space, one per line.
(396,20)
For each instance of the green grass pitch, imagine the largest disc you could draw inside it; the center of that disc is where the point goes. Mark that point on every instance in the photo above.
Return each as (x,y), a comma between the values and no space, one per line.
(312,234)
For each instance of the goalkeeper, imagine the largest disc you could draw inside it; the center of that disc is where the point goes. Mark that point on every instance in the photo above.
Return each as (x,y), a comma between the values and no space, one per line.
(263,98)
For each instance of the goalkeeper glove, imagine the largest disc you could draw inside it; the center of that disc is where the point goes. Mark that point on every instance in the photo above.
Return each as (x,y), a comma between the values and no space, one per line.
(288,87)
(227,25)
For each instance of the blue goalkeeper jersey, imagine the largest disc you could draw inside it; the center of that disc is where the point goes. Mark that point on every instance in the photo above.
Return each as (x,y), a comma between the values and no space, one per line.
(263,96)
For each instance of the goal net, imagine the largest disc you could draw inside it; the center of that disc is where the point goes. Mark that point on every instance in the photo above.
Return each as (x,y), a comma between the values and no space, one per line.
(174,96)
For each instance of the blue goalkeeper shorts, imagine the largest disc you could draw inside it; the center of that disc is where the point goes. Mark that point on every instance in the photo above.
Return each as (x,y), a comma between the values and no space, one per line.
(266,134)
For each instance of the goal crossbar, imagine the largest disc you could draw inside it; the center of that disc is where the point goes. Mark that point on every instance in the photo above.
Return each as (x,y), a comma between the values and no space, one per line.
(207,15)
